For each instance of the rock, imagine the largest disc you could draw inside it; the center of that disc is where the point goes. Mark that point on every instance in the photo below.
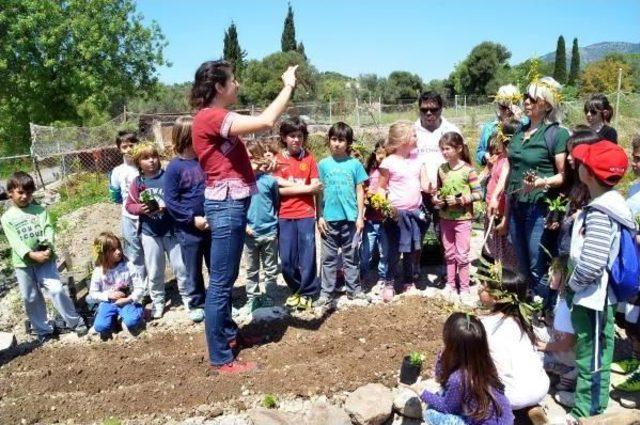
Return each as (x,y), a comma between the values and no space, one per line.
(327,414)
(271,417)
(407,403)
(401,420)
(626,417)
(7,341)
(371,404)
(229,420)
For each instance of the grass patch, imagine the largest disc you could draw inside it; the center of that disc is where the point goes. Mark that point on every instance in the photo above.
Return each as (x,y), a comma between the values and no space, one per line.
(79,191)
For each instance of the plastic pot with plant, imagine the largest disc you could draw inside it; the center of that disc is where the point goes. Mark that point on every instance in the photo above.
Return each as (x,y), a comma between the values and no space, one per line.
(411,367)
(148,199)
(557,209)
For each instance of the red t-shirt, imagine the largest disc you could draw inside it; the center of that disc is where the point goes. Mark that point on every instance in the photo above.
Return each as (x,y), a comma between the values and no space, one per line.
(300,171)
(223,158)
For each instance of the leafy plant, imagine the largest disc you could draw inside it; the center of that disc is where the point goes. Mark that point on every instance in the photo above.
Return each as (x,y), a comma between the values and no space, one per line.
(558,204)
(270,401)
(381,204)
(638,220)
(146,197)
(416,358)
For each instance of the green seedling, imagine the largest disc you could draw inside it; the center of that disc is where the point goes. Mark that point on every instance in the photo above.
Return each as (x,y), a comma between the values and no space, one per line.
(270,401)
(416,358)
(558,204)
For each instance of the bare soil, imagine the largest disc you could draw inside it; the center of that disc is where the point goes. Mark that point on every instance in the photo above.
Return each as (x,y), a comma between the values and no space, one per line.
(168,373)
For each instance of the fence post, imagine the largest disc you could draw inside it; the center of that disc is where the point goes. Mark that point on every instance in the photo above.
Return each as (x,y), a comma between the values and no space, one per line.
(618,96)
(357,113)
(37,169)
(465,108)
(380,109)
(252,110)
(330,112)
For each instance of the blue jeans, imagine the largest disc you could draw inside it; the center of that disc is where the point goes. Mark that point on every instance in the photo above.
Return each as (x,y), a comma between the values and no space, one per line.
(434,417)
(374,236)
(107,312)
(297,240)
(195,247)
(528,235)
(228,221)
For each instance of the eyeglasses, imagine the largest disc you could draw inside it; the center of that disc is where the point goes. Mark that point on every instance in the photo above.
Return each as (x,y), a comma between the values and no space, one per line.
(427,110)
(592,111)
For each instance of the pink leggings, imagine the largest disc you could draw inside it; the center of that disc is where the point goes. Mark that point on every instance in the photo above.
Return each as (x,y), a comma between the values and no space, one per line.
(456,240)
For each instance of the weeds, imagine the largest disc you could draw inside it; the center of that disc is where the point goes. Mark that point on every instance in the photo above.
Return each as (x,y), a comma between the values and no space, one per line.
(79,191)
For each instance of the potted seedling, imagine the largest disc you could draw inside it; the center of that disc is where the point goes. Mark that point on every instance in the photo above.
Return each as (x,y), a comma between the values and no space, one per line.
(382,205)
(43,245)
(557,208)
(411,368)
(147,198)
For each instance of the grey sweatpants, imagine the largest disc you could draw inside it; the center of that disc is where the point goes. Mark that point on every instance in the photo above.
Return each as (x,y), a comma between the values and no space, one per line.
(155,248)
(30,280)
(339,234)
(261,249)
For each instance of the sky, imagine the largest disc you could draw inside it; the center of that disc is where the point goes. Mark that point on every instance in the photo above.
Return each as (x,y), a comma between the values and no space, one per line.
(358,37)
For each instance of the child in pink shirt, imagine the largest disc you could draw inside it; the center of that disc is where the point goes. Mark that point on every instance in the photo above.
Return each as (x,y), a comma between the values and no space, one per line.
(403,177)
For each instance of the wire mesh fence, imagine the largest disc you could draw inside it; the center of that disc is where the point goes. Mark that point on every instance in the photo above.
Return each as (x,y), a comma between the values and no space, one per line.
(57,152)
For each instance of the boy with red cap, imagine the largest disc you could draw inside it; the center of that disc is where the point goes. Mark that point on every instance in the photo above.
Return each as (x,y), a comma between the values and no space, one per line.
(595,243)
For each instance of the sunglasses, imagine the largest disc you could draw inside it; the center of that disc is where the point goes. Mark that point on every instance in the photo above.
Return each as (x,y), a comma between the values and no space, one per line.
(531,98)
(427,110)
(592,111)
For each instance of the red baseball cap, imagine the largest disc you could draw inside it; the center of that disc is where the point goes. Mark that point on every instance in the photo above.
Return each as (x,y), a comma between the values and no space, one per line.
(606,160)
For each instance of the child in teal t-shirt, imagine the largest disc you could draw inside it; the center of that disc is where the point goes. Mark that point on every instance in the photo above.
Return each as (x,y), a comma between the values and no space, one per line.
(30,233)
(342,214)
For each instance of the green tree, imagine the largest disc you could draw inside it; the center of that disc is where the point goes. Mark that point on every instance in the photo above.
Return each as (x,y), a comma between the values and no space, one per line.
(167,98)
(560,68)
(288,39)
(602,76)
(300,50)
(262,83)
(332,86)
(483,64)
(232,51)
(71,60)
(402,86)
(574,69)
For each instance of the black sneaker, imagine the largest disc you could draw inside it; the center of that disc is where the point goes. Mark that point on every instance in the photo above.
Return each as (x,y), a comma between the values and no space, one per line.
(81,328)
(42,339)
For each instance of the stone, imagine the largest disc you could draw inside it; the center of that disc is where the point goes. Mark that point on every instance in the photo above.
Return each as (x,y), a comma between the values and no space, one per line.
(7,341)
(271,417)
(401,420)
(371,404)
(407,403)
(327,414)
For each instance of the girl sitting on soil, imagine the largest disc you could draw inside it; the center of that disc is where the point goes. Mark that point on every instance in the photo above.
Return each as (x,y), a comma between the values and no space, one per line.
(458,189)
(497,171)
(116,286)
(157,228)
(472,392)
(511,343)
(374,232)
(403,177)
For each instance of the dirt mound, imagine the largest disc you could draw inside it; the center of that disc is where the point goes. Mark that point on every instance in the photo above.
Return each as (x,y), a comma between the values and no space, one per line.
(167,373)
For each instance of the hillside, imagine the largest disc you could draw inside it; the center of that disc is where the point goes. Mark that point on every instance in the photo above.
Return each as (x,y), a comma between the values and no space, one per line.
(596,51)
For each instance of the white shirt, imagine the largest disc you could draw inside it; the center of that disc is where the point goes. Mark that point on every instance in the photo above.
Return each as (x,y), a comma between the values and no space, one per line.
(518,363)
(429,146)
(121,177)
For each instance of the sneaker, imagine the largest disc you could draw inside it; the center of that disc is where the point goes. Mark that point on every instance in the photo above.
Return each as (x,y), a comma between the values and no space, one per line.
(305,303)
(42,339)
(537,415)
(196,315)
(626,366)
(323,302)
(631,384)
(235,366)
(388,293)
(292,301)
(157,311)
(81,328)
(565,398)
(467,298)
(359,296)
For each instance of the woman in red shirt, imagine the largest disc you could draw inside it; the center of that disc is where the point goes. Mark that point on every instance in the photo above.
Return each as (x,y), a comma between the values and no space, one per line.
(229,185)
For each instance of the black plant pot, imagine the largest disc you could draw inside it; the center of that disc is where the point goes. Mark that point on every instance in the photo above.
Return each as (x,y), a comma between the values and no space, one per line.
(152,205)
(553,217)
(409,372)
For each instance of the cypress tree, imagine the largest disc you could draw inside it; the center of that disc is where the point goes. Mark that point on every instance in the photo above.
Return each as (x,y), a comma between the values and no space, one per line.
(288,40)
(575,64)
(300,50)
(560,69)
(232,51)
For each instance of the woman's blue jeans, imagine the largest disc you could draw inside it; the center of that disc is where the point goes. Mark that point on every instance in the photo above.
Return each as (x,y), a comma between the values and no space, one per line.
(228,221)
(529,236)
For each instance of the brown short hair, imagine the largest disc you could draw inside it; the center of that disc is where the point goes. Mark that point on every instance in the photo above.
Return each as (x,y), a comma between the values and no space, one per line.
(181,133)
(21,180)
(103,245)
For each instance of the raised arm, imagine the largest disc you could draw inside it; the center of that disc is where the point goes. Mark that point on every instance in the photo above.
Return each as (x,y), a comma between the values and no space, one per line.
(243,124)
